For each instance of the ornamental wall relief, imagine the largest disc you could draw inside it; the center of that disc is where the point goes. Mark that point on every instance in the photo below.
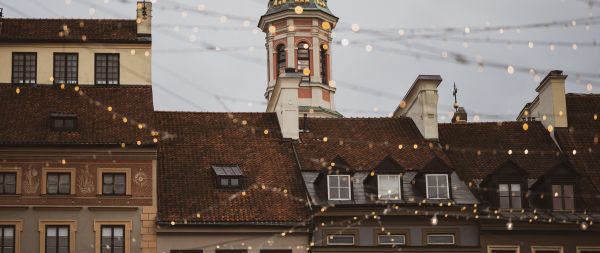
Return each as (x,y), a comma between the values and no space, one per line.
(32,181)
(141,179)
(85,181)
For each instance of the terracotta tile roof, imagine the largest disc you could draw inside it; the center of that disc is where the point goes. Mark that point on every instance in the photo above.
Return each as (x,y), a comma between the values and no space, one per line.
(26,116)
(187,184)
(494,140)
(363,143)
(69,30)
(583,134)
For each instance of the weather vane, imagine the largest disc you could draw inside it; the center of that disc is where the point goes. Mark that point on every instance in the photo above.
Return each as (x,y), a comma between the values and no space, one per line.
(455,93)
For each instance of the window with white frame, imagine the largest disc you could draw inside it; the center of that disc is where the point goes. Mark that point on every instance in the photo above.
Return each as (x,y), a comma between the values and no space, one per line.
(340,240)
(392,239)
(440,239)
(338,187)
(437,186)
(388,187)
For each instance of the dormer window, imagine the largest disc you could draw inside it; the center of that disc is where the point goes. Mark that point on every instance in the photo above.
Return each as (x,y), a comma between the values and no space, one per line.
(228,176)
(63,121)
(563,197)
(437,186)
(388,187)
(509,196)
(338,187)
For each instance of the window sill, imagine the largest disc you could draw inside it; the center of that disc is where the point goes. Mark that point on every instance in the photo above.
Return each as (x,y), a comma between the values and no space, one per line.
(58,195)
(10,195)
(113,196)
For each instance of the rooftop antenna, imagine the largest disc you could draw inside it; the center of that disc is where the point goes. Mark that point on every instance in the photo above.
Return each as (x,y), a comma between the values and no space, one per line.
(455,94)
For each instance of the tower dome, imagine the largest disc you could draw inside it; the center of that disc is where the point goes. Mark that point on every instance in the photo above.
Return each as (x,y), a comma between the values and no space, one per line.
(276,6)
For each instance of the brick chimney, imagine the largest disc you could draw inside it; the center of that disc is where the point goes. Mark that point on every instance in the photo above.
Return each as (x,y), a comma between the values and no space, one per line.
(460,116)
(550,105)
(420,104)
(144,17)
(284,101)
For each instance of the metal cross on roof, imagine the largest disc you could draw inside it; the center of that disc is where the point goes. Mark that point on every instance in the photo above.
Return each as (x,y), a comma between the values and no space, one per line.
(455,93)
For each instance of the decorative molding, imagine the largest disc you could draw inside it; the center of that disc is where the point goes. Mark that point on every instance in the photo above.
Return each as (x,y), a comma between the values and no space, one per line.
(31,182)
(85,181)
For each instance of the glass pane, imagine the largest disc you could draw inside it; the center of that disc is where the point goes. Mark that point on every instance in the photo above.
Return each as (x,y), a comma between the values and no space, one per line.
(569,203)
(334,193)
(568,191)
(556,191)
(63,231)
(440,239)
(106,232)
(107,189)
(432,192)
(333,181)
(107,178)
(443,192)
(345,193)
(2,175)
(391,239)
(516,202)
(64,249)
(119,189)
(340,239)
(442,180)
(119,179)
(118,232)
(503,188)
(235,182)
(9,232)
(51,231)
(224,182)
(50,249)
(515,187)
(504,202)
(344,181)
(557,204)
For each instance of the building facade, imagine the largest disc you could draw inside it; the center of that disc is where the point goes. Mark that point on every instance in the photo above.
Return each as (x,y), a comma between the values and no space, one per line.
(88,165)
(77,144)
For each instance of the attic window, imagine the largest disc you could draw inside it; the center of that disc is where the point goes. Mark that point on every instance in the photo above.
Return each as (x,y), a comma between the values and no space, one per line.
(63,121)
(437,186)
(228,176)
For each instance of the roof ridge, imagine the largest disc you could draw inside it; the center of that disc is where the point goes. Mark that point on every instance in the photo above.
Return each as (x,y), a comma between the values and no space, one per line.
(72,19)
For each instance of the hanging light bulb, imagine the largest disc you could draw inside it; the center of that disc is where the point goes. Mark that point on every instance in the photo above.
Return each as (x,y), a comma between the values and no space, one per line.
(434,220)
(584,226)
(509,225)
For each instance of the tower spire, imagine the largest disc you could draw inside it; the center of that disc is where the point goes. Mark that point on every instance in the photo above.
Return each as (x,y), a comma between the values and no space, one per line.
(298,37)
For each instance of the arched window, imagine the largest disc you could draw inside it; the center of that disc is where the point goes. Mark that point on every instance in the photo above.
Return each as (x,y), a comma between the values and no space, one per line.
(281,60)
(324,60)
(304,59)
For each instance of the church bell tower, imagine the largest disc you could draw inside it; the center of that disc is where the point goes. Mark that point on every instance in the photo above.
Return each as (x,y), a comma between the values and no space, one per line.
(298,37)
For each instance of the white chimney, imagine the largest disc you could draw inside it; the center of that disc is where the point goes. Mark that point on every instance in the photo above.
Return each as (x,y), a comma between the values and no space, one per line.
(144,17)
(550,105)
(284,101)
(420,104)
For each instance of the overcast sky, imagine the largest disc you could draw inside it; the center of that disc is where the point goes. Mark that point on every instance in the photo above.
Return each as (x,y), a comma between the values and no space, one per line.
(188,77)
